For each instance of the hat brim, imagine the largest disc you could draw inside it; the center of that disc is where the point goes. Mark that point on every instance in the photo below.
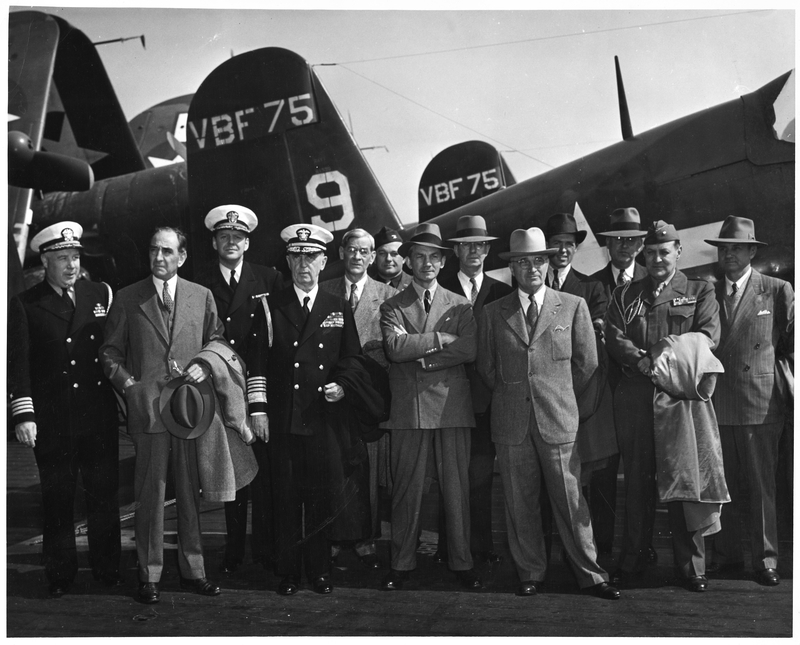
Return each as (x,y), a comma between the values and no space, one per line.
(405,247)
(165,410)
(623,233)
(510,255)
(733,240)
(580,235)
(472,238)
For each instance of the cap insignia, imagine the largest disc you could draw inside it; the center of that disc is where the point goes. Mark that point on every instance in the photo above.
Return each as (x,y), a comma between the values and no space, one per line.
(68,234)
(232,216)
(303,234)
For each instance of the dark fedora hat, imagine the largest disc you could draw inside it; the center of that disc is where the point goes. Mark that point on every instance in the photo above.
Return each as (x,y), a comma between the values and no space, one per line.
(425,235)
(624,222)
(736,230)
(471,228)
(187,409)
(563,223)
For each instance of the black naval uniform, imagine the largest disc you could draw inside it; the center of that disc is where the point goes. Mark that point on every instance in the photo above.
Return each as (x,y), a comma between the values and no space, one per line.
(237,311)
(55,380)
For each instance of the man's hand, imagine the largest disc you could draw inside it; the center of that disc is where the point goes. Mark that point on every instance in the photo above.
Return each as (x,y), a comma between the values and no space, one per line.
(196,373)
(260,425)
(644,366)
(247,436)
(447,338)
(26,433)
(333,392)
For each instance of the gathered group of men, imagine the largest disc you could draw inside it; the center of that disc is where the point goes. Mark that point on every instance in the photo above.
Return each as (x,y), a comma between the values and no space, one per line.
(305,400)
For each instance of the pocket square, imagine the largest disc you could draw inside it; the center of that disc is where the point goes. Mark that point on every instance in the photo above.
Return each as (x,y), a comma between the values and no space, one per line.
(560,328)
(764,312)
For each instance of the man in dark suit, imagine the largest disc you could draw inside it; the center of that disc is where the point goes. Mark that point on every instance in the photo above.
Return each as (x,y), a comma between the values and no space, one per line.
(537,353)
(757,316)
(471,247)
(365,297)
(63,407)
(388,266)
(155,329)
(238,287)
(597,439)
(293,347)
(624,243)
(430,335)
(641,314)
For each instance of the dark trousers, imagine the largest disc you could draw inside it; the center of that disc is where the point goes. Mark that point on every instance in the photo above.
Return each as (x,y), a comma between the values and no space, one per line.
(602,497)
(59,459)
(750,454)
(301,484)
(260,491)
(481,475)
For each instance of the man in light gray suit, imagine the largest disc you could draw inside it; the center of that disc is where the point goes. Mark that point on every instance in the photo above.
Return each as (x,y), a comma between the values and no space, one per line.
(537,353)
(155,328)
(429,334)
(757,317)
(365,296)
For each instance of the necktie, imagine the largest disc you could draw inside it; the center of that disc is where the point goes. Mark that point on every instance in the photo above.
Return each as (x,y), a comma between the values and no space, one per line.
(658,289)
(68,301)
(306,311)
(622,279)
(555,284)
(734,299)
(427,301)
(353,296)
(233,281)
(167,299)
(531,315)
(474,294)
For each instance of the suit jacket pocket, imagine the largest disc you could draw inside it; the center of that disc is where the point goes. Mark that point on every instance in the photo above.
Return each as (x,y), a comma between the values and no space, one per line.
(562,344)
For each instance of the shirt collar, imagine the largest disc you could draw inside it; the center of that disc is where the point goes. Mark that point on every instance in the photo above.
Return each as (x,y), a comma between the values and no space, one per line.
(628,272)
(359,285)
(562,273)
(740,283)
(301,295)
(172,284)
(464,279)
(226,272)
(421,290)
(525,301)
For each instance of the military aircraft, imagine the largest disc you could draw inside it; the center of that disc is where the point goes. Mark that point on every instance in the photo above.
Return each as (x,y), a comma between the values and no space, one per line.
(736,158)
(262,131)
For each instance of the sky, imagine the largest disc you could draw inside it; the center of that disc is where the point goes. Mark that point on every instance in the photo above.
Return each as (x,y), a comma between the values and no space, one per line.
(538,85)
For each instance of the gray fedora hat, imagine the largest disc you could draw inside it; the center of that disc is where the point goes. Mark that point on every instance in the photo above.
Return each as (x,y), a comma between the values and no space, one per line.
(524,242)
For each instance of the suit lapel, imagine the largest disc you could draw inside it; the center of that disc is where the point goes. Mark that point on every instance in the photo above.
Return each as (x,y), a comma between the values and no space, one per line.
(550,307)
(322,307)
(246,286)
(149,305)
(751,298)
(413,309)
(439,305)
(185,306)
(221,291)
(675,288)
(84,307)
(513,315)
(287,303)
(51,302)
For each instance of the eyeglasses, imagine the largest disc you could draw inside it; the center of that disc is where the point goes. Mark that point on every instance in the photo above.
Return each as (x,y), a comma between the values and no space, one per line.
(525,263)
(353,250)
(478,246)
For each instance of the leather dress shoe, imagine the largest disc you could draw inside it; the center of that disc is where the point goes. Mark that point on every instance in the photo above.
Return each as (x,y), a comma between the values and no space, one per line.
(370,561)
(768,577)
(109,578)
(622,577)
(716,568)
(201,586)
(228,566)
(289,586)
(529,588)
(469,579)
(603,590)
(651,556)
(697,583)
(149,593)
(394,580)
(440,557)
(322,585)
(58,588)
(489,557)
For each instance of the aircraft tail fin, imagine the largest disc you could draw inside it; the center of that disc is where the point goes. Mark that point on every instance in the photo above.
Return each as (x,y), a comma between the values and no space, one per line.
(459,175)
(263,132)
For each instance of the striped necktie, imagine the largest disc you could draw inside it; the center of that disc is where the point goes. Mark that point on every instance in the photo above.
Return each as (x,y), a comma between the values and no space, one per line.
(168,303)
(531,315)
(657,291)
(353,296)
(474,293)
(555,284)
(622,279)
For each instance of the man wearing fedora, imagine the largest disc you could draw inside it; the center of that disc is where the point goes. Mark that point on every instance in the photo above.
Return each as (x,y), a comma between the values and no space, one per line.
(641,314)
(63,407)
(471,245)
(757,316)
(293,348)
(624,241)
(156,327)
(365,297)
(237,286)
(429,335)
(537,352)
(388,266)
